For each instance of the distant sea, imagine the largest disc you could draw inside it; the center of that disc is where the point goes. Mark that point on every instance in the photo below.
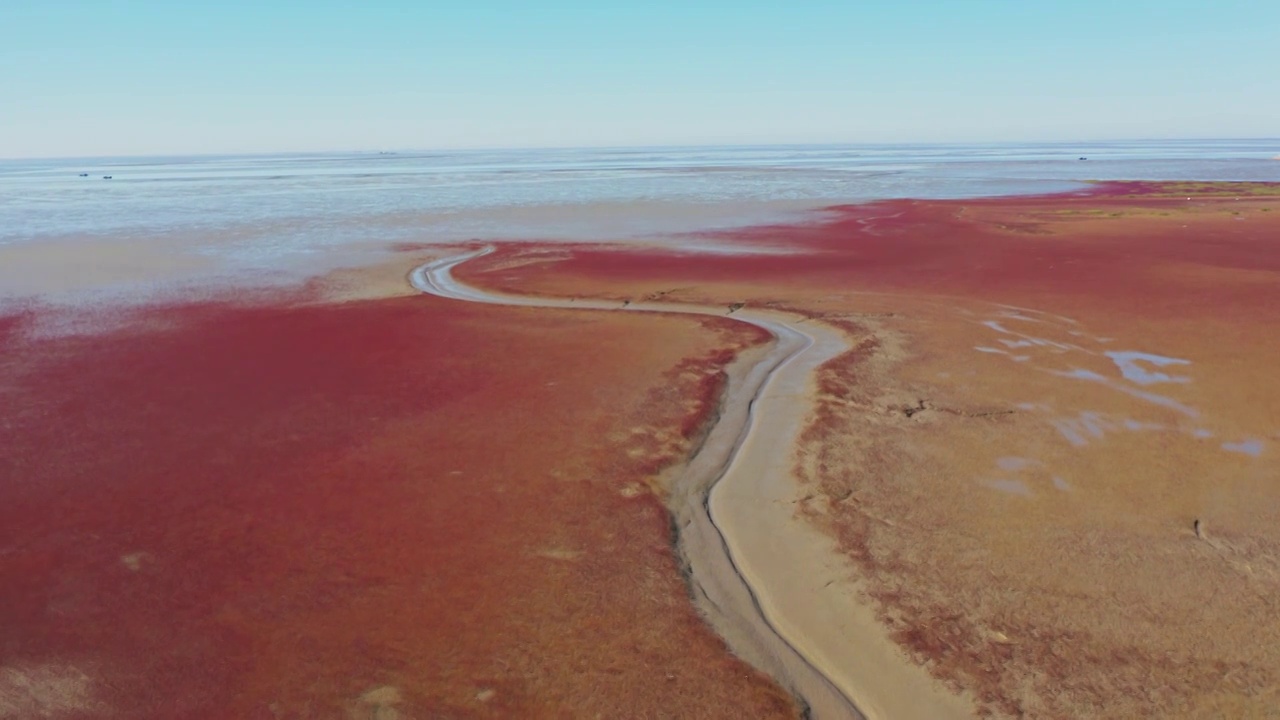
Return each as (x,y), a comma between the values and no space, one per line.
(262,211)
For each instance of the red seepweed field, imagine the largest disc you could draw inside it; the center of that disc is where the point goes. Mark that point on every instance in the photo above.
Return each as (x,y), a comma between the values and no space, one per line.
(1050,460)
(403,507)
(1105,241)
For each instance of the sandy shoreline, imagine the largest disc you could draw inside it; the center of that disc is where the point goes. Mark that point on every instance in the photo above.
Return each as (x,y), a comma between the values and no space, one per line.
(770,583)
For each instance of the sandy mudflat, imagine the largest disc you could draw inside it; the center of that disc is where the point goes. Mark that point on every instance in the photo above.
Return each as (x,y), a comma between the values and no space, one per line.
(63,267)
(1022,463)
(779,594)
(803,586)
(1045,394)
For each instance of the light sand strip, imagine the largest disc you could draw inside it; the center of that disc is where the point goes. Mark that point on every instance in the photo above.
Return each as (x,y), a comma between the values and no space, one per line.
(770,584)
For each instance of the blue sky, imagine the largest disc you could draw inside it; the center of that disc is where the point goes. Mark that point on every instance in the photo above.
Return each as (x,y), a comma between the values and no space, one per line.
(80,77)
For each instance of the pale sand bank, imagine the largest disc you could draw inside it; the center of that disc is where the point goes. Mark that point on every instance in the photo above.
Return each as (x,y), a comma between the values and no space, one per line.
(68,266)
(138,256)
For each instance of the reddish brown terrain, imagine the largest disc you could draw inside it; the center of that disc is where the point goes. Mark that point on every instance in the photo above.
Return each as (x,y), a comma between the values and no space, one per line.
(1052,456)
(405,507)
(1050,461)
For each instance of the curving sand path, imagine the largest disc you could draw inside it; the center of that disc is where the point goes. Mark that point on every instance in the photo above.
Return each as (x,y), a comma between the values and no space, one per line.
(769,583)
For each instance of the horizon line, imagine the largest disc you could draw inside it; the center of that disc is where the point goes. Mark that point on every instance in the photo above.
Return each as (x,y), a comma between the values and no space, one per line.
(675,146)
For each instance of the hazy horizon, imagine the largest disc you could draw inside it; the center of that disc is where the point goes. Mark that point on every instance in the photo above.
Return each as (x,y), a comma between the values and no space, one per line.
(144,78)
(1082,143)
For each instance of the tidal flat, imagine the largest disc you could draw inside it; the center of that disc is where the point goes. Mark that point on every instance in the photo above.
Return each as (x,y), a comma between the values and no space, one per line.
(1040,479)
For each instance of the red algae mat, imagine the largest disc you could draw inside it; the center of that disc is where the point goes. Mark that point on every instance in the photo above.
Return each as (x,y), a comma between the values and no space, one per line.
(1051,458)
(395,508)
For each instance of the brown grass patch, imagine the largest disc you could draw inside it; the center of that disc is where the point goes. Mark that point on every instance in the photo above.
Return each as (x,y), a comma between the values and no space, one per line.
(1069,581)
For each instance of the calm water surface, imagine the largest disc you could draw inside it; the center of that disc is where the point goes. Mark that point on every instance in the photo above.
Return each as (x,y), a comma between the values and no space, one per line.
(264,211)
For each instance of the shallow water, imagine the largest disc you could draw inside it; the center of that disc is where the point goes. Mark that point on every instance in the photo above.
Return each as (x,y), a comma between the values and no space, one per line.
(1252,448)
(264,212)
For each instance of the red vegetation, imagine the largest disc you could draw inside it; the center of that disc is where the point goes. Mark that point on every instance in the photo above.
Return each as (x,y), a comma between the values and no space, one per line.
(267,511)
(1104,241)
